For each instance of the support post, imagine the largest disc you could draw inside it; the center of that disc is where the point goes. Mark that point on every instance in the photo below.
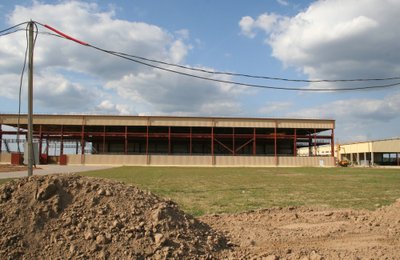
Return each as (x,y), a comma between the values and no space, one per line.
(275,146)
(212,146)
(254,142)
(104,140)
(190,141)
(315,142)
(40,141)
(30,100)
(169,140)
(62,141)
(83,144)
(126,140)
(333,144)
(1,138)
(233,142)
(147,143)
(295,143)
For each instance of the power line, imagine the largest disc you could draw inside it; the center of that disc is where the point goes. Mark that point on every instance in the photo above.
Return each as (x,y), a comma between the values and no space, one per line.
(144,61)
(248,84)
(12,27)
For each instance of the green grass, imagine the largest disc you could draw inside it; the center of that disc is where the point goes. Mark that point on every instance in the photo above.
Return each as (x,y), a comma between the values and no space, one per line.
(230,190)
(2,181)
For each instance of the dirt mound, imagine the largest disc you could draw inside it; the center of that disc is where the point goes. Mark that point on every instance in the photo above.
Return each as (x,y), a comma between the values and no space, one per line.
(70,216)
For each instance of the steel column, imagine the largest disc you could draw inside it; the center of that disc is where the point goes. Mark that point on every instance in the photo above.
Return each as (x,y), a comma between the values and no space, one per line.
(62,141)
(254,142)
(295,143)
(40,141)
(83,144)
(147,143)
(104,140)
(233,142)
(315,142)
(1,137)
(47,145)
(169,140)
(275,145)
(126,140)
(190,141)
(333,143)
(212,146)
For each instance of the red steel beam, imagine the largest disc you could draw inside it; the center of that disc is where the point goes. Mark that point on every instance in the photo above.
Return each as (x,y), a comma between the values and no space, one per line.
(104,139)
(190,141)
(169,140)
(255,142)
(233,141)
(1,138)
(62,141)
(275,146)
(126,140)
(295,143)
(333,143)
(315,142)
(212,146)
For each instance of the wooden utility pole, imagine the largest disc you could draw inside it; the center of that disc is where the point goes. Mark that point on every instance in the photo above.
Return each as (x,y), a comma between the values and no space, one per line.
(30,100)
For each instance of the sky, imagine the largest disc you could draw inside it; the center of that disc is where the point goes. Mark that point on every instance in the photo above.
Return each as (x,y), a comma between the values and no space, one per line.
(307,40)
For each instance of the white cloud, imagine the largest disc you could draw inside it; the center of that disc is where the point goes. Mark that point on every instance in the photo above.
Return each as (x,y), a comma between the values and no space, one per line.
(247,25)
(283,2)
(359,118)
(275,107)
(265,22)
(353,41)
(108,107)
(163,92)
(74,78)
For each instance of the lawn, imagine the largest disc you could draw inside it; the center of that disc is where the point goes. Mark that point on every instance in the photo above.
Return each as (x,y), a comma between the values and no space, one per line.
(229,190)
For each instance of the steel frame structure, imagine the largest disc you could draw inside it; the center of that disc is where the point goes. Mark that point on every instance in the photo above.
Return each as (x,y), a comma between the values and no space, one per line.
(180,139)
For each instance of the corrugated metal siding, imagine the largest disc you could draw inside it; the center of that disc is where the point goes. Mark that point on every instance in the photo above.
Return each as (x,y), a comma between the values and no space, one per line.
(304,124)
(5,157)
(388,146)
(221,161)
(169,121)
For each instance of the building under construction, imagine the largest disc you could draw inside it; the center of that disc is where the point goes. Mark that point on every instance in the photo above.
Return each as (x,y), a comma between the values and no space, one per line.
(180,141)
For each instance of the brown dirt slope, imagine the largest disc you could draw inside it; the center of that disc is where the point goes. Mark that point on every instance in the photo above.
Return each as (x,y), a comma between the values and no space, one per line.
(68,216)
(312,233)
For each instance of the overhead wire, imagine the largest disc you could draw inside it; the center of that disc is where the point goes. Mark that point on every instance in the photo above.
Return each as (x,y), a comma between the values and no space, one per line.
(136,57)
(148,62)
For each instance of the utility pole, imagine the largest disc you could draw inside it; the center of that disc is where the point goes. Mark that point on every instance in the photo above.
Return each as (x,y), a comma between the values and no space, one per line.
(30,100)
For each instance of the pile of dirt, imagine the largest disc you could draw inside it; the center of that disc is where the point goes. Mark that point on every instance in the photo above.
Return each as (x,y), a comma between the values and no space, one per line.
(69,216)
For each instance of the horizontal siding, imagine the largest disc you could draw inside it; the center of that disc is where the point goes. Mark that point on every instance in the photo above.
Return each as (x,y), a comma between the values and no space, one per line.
(169,121)
(220,161)
(5,157)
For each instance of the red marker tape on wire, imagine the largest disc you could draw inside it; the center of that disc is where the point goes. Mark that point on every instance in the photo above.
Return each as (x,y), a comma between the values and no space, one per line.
(66,36)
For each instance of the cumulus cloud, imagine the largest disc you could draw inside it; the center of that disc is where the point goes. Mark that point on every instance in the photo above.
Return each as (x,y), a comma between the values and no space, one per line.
(359,117)
(108,107)
(283,2)
(74,78)
(355,40)
(264,22)
(275,107)
(173,94)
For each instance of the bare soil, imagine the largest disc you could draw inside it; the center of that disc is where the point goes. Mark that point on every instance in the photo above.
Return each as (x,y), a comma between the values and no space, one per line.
(312,233)
(74,217)
(12,168)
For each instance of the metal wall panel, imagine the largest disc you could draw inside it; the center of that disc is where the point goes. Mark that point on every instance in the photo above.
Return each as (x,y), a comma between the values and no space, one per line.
(5,157)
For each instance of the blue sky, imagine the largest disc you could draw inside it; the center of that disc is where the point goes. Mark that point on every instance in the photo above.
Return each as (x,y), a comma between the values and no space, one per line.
(331,39)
